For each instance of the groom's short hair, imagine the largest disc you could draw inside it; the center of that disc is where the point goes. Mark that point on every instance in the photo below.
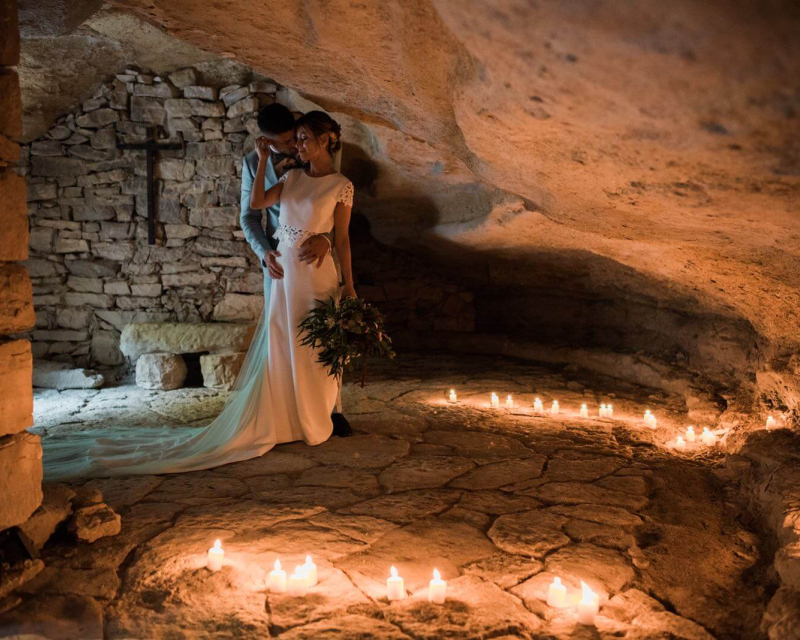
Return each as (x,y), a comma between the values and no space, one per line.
(274,119)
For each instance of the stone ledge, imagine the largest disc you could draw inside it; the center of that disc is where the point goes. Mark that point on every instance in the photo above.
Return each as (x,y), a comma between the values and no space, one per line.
(178,338)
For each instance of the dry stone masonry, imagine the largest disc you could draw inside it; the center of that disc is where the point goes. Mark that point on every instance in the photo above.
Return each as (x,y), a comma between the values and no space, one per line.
(93,272)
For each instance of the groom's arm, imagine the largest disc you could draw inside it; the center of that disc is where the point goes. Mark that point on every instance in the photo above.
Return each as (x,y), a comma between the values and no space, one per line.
(250,219)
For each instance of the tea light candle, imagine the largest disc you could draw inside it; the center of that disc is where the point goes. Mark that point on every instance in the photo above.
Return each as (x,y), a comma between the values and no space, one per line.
(609,411)
(771,423)
(310,569)
(453,398)
(215,556)
(602,412)
(557,594)
(495,401)
(709,439)
(298,582)
(650,419)
(509,402)
(588,606)
(538,407)
(437,588)
(690,435)
(680,444)
(554,408)
(277,579)
(395,588)
(584,412)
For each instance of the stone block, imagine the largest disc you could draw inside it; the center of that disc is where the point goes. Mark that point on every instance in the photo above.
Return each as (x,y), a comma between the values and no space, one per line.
(244,106)
(16,299)
(218,166)
(41,239)
(215,217)
(16,396)
(94,522)
(71,245)
(263,87)
(57,167)
(233,93)
(235,307)
(186,107)
(156,90)
(146,290)
(11,105)
(61,375)
(200,93)
(85,285)
(13,217)
(20,476)
(119,288)
(104,138)
(178,338)
(42,191)
(105,348)
(163,371)
(97,119)
(71,318)
(183,78)
(148,110)
(9,34)
(120,251)
(56,507)
(93,268)
(220,369)
(180,231)
(99,300)
(174,169)
(47,148)
(60,335)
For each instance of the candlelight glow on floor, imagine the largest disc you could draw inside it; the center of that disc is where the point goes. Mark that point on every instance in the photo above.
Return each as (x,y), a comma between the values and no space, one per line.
(521,519)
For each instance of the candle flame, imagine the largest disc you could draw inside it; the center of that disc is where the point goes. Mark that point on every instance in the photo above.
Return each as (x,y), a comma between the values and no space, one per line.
(690,429)
(583,406)
(588,595)
(217,544)
(537,400)
(680,440)
(557,581)
(452,391)
(308,560)
(393,572)
(705,430)
(437,575)
(277,565)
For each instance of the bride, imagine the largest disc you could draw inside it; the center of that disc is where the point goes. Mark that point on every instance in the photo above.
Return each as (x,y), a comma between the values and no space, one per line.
(282,393)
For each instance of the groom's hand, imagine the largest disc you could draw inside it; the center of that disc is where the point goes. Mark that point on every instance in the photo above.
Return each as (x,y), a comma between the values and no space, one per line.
(273,268)
(314,249)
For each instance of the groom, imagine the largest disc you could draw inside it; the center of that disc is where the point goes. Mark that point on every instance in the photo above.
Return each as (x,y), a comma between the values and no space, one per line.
(276,124)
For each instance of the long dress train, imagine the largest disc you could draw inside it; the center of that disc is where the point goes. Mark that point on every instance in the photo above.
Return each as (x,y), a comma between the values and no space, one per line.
(281,394)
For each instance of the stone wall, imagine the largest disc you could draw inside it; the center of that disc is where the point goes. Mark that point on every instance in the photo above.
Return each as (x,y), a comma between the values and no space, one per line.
(20,452)
(92,269)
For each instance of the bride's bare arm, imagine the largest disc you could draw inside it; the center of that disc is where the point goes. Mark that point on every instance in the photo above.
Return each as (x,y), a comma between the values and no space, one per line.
(341,221)
(259,199)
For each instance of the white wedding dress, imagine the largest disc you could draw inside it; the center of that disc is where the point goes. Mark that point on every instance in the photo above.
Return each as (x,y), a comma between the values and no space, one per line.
(282,393)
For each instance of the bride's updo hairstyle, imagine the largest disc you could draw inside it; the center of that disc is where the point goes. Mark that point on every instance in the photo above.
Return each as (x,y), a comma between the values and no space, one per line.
(318,123)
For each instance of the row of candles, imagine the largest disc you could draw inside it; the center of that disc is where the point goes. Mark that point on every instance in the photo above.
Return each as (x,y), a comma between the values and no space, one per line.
(305,577)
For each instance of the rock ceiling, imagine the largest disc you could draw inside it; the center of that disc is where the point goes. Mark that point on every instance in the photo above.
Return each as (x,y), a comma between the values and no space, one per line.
(645,149)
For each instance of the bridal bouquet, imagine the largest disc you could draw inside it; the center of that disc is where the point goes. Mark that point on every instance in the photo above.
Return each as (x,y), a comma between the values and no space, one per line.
(348,332)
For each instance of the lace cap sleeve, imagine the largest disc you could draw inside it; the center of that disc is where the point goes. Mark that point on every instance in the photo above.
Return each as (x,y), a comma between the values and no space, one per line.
(346,194)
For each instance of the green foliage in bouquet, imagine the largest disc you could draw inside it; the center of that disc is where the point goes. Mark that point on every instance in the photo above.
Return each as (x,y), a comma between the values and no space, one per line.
(346,334)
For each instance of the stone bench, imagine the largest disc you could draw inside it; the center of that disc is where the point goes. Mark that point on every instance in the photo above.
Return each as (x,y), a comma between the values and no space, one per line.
(158,349)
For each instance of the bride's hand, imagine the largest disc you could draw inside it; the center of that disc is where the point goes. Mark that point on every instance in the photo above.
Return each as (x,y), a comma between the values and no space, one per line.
(262,148)
(348,291)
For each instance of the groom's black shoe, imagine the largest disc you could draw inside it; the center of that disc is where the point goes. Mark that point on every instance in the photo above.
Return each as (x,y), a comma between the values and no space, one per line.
(341,427)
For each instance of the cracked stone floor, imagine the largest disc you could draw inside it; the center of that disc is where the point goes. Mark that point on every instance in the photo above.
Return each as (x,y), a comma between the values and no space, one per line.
(500,501)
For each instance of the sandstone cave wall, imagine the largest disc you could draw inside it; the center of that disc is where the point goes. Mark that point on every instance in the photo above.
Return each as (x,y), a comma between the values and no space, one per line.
(91,267)
(20,451)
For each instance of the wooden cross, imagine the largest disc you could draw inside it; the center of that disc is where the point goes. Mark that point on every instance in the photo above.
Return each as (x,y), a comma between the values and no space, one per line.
(150,148)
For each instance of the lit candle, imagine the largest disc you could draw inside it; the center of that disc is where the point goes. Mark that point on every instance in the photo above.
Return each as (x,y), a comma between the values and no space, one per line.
(538,407)
(588,606)
(557,594)
(650,419)
(437,588)
(495,401)
(602,412)
(770,423)
(453,397)
(395,588)
(298,582)
(277,579)
(310,569)
(680,444)
(509,402)
(609,411)
(215,556)
(708,438)
(584,412)
(554,408)
(690,436)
